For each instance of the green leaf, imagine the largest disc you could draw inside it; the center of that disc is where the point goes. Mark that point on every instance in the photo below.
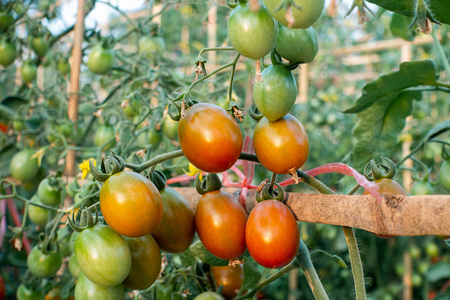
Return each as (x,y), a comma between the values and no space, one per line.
(388,86)
(187,258)
(251,274)
(199,250)
(378,127)
(438,8)
(436,130)
(6,155)
(400,27)
(438,271)
(9,106)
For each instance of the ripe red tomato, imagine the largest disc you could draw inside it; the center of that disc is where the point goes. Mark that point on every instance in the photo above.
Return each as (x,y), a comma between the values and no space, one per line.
(177,228)
(43,265)
(220,222)
(388,186)
(275,95)
(131,204)
(305,13)
(210,138)
(252,34)
(145,263)
(272,235)
(230,277)
(281,146)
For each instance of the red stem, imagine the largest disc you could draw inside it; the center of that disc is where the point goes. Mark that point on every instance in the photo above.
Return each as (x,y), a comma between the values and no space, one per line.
(18,223)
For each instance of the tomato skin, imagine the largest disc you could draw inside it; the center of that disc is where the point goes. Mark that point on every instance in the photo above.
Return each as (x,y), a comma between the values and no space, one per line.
(23,167)
(74,267)
(104,134)
(63,67)
(282,145)
(152,47)
(388,186)
(177,228)
(6,19)
(8,53)
(297,45)
(37,215)
(103,256)
(49,195)
(100,60)
(444,175)
(28,72)
(252,34)
(39,45)
(210,138)
(215,213)
(43,265)
(87,290)
(209,296)
(25,294)
(272,234)
(170,128)
(145,263)
(230,277)
(422,188)
(275,95)
(131,215)
(306,16)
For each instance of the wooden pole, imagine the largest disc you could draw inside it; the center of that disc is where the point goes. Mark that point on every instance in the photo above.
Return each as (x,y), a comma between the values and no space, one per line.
(303,82)
(75,79)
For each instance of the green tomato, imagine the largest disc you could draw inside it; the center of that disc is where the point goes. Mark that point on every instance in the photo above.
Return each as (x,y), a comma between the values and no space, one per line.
(444,175)
(100,60)
(48,194)
(65,127)
(103,255)
(414,252)
(43,265)
(72,239)
(105,136)
(28,72)
(422,188)
(170,128)
(8,52)
(151,47)
(6,19)
(151,137)
(63,67)
(145,262)
(432,250)
(252,34)
(87,290)
(275,94)
(74,267)
(297,45)
(39,45)
(37,215)
(416,280)
(19,125)
(23,167)
(25,294)
(209,296)
(304,12)
(72,188)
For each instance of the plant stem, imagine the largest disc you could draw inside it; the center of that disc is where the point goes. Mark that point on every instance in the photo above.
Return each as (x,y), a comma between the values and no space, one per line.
(154,161)
(355,260)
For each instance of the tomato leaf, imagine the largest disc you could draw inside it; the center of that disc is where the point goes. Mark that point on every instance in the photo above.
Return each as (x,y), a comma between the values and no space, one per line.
(199,250)
(435,131)
(400,27)
(187,258)
(438,271)
(251,274)
(389,86)
(378,127)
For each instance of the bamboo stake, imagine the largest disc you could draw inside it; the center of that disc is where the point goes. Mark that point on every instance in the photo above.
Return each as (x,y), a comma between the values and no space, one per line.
(75,80)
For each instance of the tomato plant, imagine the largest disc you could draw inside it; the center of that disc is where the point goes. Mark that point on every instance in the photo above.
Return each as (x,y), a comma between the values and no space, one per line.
(100,59)
(230,277)
(145,262)
(86,289)
(103,256)
(132,216)
(214,213)
(23,293)
(23,167)
(28,71)
(275,94)
(44,265)
(210,138)
(297,45)
(49,194)
(176,231)
(272,235)
(8,52)
(252,34)
(270,140)
(303,13)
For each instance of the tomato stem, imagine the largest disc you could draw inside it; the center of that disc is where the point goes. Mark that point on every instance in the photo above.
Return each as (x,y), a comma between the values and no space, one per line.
(355,260)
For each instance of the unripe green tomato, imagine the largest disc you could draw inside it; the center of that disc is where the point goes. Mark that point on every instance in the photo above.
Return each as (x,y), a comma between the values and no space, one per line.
(23,167)
(28,72)
(64,67)
(170,128)
(19,125)
(39,45)
(37,215)
(432,250)
(105,136)
(23,293)
(19,8)
(151,137)
(87,290)
(209,296)
(100,60)
(48,194)
(74,268)
(423,267)
(422,188)
(297,45)
(6,19)
(414,252)
(444,175)
(8,53)
(304,13)
(416,280)
(72,239)
(43,265)
(152,47)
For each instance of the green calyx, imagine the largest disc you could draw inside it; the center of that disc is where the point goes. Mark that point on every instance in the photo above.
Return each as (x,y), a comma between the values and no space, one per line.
(159,179)
(111,165)
(210,183)
(86,220)
(254,112)
(269,193)
(372,171)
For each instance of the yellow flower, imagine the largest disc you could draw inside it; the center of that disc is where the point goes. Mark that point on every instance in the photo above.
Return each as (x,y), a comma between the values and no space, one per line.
(85,169)
(39,154)
(193,171)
